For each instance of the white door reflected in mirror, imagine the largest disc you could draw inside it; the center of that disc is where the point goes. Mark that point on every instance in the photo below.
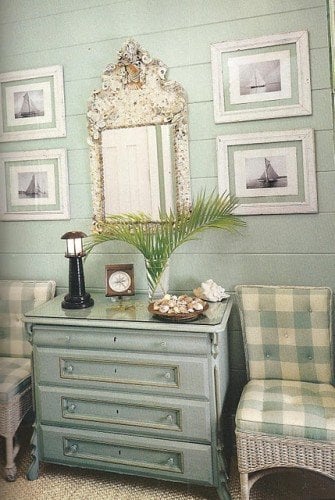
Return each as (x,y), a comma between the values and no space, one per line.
(138,170)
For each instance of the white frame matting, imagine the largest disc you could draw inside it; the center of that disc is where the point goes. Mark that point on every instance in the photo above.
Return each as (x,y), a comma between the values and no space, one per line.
(32,104)
(34,185)
(260,78)
(269,172)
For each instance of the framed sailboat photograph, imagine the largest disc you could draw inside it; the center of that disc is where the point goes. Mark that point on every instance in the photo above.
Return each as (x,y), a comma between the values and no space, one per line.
(32,104)
(34,185)
(269,172)
(260,78)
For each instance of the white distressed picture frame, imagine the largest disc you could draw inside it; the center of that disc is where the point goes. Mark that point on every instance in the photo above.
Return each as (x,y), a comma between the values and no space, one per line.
(34,185)
(241,172)
(259,71)
(32,104)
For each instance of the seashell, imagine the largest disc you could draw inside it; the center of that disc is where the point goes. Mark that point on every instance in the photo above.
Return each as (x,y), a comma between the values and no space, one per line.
(210,291)
(183,298)
(183,304)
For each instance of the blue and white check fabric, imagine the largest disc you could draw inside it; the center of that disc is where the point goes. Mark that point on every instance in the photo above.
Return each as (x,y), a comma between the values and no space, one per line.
(288,408)
(287,332)
(16,298)
(14,377)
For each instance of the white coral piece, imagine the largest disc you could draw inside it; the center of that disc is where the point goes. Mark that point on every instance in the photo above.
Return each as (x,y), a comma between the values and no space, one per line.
(210,291)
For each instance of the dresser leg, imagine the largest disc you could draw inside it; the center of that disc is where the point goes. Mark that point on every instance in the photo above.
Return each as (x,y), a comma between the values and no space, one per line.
(223,492)
(33,470)
(222,488)
(222,485)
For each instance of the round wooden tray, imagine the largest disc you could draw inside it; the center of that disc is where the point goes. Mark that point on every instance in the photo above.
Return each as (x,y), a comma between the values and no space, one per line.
(176,318)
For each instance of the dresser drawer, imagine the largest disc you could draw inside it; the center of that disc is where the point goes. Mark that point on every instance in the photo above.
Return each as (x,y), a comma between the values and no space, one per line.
(131,413)
(165,459)
(121,339)
(182,375)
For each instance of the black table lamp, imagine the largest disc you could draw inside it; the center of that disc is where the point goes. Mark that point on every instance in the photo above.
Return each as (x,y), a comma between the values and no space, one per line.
(77,298)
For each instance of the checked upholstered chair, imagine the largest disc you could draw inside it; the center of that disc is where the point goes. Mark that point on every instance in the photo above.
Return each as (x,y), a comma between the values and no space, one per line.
(286,413)
(16,298)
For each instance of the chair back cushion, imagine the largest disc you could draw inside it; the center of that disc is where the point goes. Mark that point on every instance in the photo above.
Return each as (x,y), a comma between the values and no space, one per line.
(16,298)
(287,332)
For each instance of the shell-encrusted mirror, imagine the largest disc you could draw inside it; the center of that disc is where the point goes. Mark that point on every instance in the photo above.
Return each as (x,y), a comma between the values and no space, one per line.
(138,138)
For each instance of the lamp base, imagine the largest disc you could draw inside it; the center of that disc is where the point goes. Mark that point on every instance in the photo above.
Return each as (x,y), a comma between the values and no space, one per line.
(77,302)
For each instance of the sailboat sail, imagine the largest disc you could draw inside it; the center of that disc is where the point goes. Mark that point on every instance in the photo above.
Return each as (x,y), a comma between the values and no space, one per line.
(269,174)
(257,81)
(28,107)
(34,190)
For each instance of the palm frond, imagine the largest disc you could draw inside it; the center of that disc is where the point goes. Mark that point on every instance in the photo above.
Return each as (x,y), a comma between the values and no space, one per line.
(158,239)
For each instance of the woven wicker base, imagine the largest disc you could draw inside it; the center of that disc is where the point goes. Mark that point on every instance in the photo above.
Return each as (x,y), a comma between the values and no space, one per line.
(258,451)
(64,483)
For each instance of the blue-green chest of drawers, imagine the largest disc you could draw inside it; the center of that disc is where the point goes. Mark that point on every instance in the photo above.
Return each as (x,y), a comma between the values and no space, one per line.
(117,390)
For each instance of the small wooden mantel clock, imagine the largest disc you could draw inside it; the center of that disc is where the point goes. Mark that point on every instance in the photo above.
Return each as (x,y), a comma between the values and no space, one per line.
(119,280)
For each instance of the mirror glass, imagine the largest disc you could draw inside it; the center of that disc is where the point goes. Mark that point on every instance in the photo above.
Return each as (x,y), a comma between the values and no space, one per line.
(138,170)
(138,138)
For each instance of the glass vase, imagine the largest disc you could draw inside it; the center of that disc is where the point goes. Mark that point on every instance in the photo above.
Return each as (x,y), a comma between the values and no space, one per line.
(157,273)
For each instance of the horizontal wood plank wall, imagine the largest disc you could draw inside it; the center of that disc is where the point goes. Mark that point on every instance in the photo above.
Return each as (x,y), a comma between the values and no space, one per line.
(84,37)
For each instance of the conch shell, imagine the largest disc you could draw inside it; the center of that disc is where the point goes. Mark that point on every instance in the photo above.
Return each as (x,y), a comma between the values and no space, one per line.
(210,291)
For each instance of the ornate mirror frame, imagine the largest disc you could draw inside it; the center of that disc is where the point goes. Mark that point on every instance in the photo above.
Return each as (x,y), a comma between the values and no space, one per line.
(136,93)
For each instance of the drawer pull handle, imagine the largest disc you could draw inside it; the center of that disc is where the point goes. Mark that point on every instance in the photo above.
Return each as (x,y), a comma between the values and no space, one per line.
(163,343)
(69,368)
(170,462)
(167,375)
(73,448)
(169,418)
(72,407)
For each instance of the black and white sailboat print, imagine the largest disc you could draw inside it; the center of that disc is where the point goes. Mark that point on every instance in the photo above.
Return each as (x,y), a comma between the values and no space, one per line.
(29,107)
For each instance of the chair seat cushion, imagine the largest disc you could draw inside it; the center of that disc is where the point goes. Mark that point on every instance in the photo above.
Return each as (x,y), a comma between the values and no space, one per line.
(288,408)
(15,376)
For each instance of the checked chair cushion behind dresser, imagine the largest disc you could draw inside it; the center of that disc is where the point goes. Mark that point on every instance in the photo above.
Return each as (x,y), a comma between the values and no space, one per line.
(286,414)
(16,298)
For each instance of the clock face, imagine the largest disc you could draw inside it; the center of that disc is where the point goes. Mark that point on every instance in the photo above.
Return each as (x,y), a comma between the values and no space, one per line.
(119,279)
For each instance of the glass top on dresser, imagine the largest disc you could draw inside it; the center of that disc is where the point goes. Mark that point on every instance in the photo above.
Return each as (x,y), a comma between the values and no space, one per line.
(133,309)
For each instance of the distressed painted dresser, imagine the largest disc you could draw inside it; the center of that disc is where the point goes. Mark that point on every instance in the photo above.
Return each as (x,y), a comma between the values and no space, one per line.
(120,391)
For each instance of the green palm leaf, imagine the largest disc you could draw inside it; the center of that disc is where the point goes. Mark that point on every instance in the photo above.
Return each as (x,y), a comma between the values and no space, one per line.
(157,240)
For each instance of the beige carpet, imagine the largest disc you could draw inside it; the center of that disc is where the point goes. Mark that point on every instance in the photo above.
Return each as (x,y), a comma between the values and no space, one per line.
(64,483)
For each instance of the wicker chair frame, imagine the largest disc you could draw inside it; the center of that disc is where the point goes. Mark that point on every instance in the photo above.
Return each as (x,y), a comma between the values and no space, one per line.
(11,416)
(261,454)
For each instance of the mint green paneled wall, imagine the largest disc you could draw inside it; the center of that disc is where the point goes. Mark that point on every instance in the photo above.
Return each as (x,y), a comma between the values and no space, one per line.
(84,36)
